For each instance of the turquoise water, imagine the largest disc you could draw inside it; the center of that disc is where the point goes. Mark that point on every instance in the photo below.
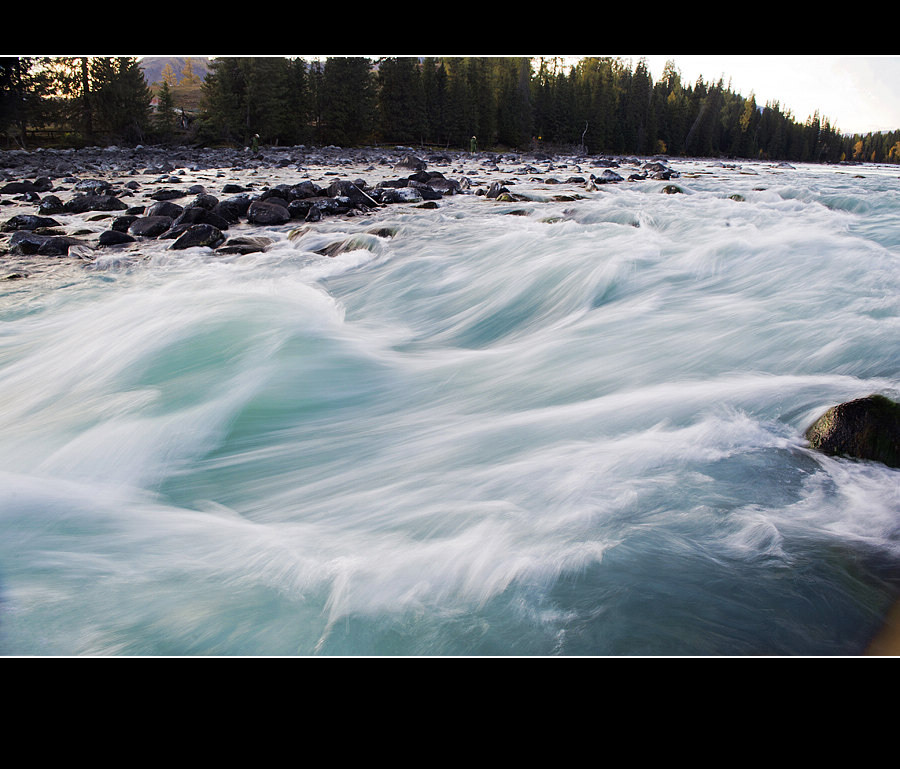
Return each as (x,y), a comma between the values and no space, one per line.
(577,431)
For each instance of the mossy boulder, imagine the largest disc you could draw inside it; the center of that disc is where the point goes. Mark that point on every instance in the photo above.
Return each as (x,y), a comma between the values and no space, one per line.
(866,428)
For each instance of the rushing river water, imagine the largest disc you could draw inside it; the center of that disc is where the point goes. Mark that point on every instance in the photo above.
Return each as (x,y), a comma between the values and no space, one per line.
(539,428)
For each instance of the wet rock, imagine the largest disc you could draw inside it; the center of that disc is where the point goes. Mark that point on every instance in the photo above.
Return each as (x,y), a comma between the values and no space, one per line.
(28,222)
(115,238)
(427,192)
(245,245)
(205,200)
(267,212)
(198,215)
(168,194)
(607,177)
(150,226)
(93,186)
(411,161)
(496,190)
(122,223)
(165,208)
(24,187)
(390,195)
(199,235)
(350,244)
(31,243)
(866,428)
(352,191)
(233,208)
(83,203)
(51,205)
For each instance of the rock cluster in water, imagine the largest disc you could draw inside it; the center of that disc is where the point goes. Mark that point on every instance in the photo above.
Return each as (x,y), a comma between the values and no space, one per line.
(99,183)
(865,428)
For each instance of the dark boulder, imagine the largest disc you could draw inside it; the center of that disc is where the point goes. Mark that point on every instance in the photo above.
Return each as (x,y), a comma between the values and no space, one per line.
(205,200)
(28,222)
(412,162)
(122,223)
(426,191)
(496,190)
(27,242)
(866,428)
(200,235)
(165,208)
(245,245)
(83,203)
(305,190)
(268,212)
(343,188)
(51,205)
(607,177)
(93,186)
(198,215)
(168,194)
(390,195)
(233,208)
(150,226)
(115,238)
(23,187)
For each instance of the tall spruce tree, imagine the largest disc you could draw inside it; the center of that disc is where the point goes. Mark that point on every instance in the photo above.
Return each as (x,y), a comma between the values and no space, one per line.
(401,100)
(348,100)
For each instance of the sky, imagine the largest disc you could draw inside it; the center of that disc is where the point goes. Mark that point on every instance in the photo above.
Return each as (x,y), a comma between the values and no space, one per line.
(857,94)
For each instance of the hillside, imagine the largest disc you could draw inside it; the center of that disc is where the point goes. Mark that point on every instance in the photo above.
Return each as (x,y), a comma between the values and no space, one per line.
(153,66)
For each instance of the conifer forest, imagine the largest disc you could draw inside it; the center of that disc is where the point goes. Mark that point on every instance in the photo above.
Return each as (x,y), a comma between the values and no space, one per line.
(596,106)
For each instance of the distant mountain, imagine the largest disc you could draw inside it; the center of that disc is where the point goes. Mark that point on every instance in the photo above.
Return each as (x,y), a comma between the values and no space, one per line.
(153,66)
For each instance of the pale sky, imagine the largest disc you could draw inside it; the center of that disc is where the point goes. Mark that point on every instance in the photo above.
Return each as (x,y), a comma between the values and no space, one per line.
(857,94)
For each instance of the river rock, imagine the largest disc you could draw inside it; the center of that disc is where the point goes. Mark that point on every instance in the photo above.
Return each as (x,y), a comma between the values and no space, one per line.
(19,188)
(150,226)
(866,428)
(115,238)
(233,208)
(245,245)
(82,203)
(607,177)
(267,212)
(27,242)
(28,222)
(411,161)
(165,208)
(199,235)
(198,215)
(51,205)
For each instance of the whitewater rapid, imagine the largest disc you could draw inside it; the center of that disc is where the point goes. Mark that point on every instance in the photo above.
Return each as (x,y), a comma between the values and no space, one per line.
(541,427)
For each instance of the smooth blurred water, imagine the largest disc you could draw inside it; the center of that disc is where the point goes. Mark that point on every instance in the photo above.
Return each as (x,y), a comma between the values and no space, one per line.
(577,431)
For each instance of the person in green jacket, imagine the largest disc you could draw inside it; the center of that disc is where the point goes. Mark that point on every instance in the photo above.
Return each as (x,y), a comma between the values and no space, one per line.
(473,146)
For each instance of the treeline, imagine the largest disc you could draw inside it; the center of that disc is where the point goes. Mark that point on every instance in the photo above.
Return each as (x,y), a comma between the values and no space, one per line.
(82,99)
(601,105)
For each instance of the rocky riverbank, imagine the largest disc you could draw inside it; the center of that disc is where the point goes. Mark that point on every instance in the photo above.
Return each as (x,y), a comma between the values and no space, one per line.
(53,199)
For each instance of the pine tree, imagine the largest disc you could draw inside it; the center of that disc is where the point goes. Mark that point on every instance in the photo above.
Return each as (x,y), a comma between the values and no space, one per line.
(348,100)
(165,118)
(401,100)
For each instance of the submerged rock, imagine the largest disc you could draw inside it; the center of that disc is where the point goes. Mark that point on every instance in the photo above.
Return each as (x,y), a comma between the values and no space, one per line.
(866,428)
(245,245)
